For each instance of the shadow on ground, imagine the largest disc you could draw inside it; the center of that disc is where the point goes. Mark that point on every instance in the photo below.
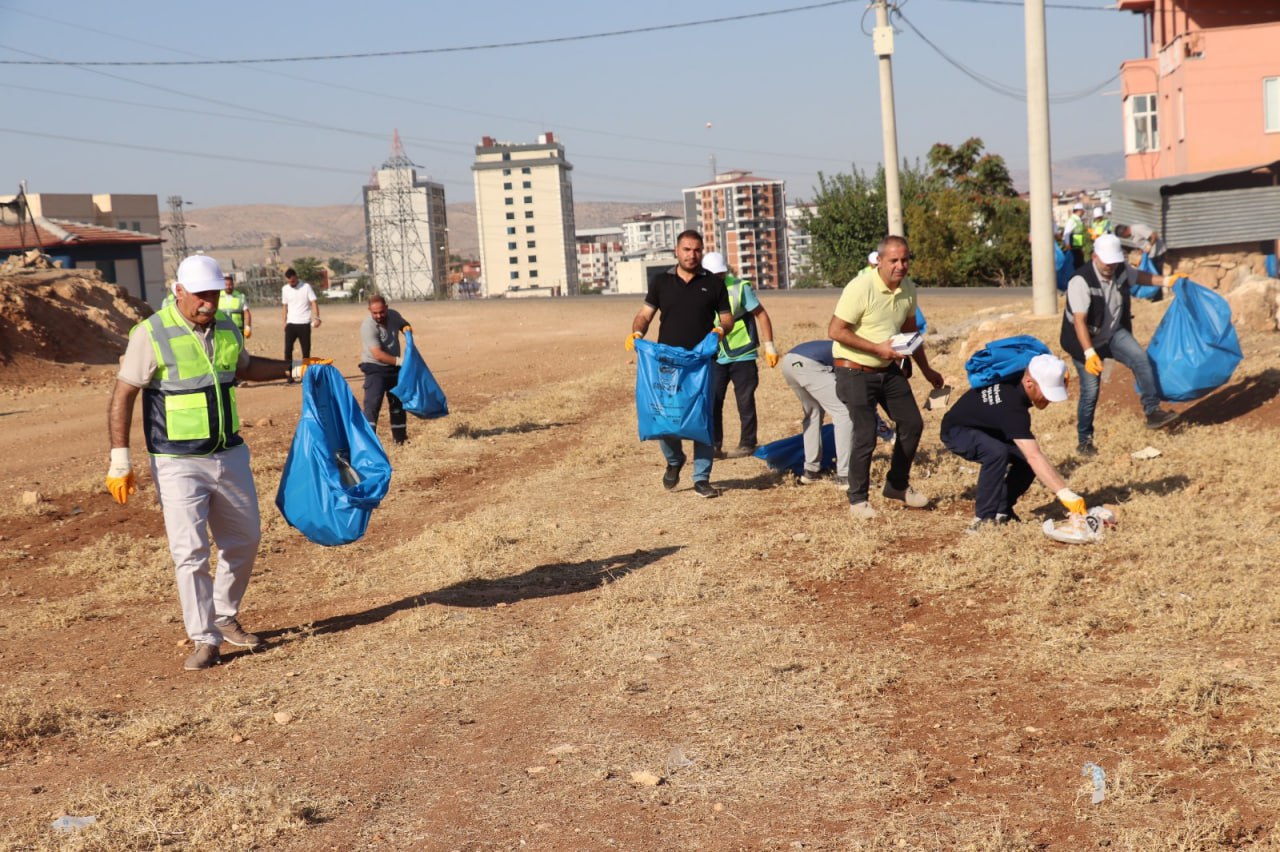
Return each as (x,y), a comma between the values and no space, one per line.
(1234,401)
(464,430)
(557,578)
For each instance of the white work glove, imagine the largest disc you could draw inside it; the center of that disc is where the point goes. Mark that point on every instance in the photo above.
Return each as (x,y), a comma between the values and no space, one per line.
(120,475)
(399,360)
(770,353)
(315,323)
(1072,501)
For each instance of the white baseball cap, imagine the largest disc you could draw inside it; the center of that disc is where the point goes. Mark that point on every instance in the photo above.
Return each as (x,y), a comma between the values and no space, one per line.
(713,262)
(1107,248)
(1050,374)
(200,274)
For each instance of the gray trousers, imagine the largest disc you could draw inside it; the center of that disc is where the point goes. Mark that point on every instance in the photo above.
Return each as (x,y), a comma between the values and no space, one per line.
(200,495)
(815,385)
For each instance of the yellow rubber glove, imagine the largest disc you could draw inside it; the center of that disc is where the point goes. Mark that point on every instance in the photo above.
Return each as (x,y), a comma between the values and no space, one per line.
(1072,501)
(770,353)
(120,475)
(407,328)
(1092,363)
(248,331)
(300,367)
(631,340)
(1174,280)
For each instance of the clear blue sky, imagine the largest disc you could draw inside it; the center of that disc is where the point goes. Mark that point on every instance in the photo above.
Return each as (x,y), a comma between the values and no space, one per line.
(787,95)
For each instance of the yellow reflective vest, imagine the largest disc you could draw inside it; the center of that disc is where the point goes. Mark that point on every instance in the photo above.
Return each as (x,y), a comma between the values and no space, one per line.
(189,409)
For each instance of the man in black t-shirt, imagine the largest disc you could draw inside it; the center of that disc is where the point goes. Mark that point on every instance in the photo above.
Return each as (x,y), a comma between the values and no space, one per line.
(690,300)
(992,426)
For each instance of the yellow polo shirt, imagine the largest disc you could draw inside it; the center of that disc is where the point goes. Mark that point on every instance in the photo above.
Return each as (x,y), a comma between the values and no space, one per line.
(875,312)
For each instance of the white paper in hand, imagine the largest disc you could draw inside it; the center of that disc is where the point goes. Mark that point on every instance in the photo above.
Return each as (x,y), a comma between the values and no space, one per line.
(906,342)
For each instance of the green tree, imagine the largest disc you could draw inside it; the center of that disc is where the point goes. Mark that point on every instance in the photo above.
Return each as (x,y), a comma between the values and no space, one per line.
(308,269)
(338,266)
(965,221)
(847,225)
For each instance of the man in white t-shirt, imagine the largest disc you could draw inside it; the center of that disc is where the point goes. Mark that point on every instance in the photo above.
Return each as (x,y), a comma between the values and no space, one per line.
(301,314)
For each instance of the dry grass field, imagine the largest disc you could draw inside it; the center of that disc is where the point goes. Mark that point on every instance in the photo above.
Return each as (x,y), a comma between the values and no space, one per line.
(537,647)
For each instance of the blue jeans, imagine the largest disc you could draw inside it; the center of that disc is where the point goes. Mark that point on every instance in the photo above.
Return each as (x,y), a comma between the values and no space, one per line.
(1128,351)
(673,449)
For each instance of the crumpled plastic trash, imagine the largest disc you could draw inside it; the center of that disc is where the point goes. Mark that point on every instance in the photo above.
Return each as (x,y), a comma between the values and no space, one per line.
(1146,453)
(68,824)
(1081,529)
(1099,778)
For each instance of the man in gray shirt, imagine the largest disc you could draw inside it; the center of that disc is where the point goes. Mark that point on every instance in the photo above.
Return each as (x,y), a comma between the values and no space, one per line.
(380,361)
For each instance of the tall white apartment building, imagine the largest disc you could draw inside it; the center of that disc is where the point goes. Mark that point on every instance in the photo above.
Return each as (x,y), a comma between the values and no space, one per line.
(599,251)
(799,253)
(744,218)
(406,231)
(648,233)
(524,215)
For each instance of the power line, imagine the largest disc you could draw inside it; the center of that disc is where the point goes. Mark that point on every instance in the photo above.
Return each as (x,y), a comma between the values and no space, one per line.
(431,50)
(991,83)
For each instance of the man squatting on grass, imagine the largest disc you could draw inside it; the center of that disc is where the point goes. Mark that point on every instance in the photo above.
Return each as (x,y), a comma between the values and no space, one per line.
(185,359)
(690,299)
(878,303)
(992,426)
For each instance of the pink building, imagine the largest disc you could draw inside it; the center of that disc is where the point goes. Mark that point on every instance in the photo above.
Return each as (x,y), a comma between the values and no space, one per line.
(1206,97)
(1202,135)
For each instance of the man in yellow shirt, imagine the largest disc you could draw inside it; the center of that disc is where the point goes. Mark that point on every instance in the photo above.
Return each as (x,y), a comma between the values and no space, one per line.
(877,304)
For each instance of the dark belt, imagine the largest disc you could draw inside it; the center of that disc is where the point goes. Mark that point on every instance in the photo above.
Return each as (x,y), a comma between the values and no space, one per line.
(854,365)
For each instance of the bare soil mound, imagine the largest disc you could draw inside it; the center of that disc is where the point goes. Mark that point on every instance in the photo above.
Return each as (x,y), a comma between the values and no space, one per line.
(64,316)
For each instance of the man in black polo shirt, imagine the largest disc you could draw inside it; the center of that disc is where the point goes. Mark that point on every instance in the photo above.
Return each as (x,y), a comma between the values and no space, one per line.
(690,299)
(992,426)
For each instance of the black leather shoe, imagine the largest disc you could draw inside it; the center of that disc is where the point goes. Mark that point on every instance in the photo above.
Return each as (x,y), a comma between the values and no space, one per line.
(671,478)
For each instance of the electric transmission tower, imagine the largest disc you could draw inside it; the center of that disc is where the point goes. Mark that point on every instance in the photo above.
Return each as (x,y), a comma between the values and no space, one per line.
(405,229)
(177,232)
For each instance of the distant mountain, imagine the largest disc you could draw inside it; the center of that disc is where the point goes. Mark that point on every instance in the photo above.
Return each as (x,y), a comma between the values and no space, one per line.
(1088,171)
(236,233)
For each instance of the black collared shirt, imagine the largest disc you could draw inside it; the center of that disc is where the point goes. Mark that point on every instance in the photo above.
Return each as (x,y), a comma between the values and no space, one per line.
(689,310)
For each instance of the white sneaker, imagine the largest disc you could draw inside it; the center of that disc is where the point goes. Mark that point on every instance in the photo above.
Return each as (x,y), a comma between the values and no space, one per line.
(909,495)
(862,511)
(808,478)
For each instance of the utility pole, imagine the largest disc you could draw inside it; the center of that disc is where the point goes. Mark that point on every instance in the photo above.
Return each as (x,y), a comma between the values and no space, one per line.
(1044,295)
(177,231)
(882,41)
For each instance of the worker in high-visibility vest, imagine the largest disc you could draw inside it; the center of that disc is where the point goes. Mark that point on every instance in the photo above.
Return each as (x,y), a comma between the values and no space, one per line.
(1073,234)
(183,361)
(235,304)
(1101,223)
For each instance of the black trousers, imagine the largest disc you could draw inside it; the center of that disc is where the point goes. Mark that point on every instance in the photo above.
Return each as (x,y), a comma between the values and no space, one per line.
(301,332)
(379,379)
(745,376)
(1004,476)
(861,393)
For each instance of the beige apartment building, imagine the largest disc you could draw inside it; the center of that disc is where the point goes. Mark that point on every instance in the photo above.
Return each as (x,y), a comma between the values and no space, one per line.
(142,275)
(744,218)
(524,215)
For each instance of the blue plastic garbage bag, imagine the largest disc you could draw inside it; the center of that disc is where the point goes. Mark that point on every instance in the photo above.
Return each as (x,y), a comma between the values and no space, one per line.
(1003,359)
(787,454)
(1195,348)
(1064,267)
(673,390)
(417,389)
(337,472)
(1147,291)
(922,324)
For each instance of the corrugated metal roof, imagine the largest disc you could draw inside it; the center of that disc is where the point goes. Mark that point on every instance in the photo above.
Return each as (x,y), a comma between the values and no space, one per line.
(1204,209)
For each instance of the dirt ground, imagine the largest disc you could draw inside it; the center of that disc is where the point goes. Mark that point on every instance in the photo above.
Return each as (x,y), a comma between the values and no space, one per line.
(535,646)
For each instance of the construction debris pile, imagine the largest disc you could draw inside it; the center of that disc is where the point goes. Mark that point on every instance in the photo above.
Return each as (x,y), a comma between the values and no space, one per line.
(62,315)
